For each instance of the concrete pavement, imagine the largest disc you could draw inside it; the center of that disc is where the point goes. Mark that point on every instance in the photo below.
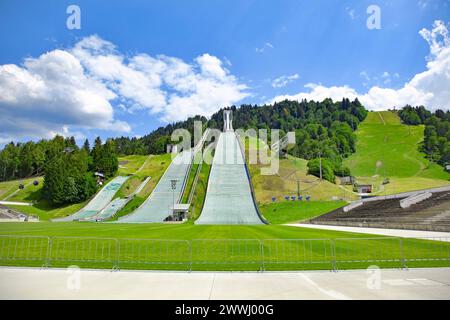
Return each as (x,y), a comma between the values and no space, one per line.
(29,283)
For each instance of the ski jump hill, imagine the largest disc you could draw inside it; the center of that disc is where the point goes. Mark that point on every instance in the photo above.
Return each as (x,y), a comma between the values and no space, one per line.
(158,205)
(229,197)
(98,203)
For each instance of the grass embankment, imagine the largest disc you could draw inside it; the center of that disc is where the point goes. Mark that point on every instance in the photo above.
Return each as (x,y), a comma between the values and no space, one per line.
(31,193)
(7,188)
(191,177)
(130,164)
(200,192)
(297,211)
(386,148)
(154,167)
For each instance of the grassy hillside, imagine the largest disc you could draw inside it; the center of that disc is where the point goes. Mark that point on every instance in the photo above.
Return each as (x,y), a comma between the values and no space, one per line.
(130,164)
(10,189)
(292,175)
(297,211)
(388,149)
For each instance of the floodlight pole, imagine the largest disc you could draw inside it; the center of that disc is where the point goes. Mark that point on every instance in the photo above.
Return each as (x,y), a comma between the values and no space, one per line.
(174,186)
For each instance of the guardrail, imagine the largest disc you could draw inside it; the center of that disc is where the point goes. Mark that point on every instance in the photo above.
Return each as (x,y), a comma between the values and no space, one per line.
(224,254)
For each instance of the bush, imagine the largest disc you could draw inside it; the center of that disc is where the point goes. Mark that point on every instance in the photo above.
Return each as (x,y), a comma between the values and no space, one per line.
(342,171)
(327,169)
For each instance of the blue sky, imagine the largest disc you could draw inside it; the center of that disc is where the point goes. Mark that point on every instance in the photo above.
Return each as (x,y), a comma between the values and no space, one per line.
(249,51)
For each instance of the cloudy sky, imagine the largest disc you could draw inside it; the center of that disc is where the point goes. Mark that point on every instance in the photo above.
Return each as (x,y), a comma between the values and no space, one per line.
(137,65)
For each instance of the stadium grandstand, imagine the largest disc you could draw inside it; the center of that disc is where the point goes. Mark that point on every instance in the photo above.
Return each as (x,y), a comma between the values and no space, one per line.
(421,210)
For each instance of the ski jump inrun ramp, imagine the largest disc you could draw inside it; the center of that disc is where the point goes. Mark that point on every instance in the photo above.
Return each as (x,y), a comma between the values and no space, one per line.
(229,198)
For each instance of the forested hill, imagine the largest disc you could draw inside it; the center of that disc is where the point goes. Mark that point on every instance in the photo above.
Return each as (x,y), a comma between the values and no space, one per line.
(325,124)
(436,142)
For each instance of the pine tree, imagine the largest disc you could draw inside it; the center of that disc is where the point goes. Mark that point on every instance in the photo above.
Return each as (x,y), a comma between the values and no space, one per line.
(86,146)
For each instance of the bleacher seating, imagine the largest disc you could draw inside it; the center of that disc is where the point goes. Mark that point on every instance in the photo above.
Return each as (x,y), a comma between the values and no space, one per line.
(9,214)
(431,214)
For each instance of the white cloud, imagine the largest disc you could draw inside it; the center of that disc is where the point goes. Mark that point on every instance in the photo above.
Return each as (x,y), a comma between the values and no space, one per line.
(65,91)
(430,88)
(351,13)
(201,93)
(50,92)
(423,3)
(284,80)
(266,45)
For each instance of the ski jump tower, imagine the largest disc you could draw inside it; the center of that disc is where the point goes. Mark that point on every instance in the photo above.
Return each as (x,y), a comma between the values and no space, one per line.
(227,121)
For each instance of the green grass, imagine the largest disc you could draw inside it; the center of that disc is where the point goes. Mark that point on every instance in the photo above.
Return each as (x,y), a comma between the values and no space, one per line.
(390,149)
(295,211)
(133,163)
(154,168)
(191,177)
(46,211)
(9,187)
(210,247)
(30,193)
(200,192)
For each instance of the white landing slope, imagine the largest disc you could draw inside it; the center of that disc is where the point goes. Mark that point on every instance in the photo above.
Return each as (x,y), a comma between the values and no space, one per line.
(228,197)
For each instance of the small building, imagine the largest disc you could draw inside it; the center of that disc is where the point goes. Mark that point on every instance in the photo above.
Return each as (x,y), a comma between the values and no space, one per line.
(347,180)
(364,188)
(100,178)
(179,211)
(172,148)
(447,167)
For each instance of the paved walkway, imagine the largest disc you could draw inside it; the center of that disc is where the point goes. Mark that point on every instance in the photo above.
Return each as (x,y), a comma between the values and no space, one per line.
(441,236)
(28,283)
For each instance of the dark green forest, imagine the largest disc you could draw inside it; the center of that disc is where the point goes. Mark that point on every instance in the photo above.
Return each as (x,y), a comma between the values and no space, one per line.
(68,170)
(436,142)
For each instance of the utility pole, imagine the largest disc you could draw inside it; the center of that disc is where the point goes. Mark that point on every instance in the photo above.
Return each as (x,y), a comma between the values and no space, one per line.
(320,164)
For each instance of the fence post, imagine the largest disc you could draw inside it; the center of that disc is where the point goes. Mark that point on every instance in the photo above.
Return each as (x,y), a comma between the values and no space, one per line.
(190,255)
(402,255)
(117,266)
(261,244)
(49,253)
(333,256)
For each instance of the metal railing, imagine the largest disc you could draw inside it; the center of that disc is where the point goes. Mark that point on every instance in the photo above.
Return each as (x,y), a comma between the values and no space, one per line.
(224,254)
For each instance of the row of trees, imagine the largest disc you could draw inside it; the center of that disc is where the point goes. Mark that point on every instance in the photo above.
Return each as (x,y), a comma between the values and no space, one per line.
(436,143)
